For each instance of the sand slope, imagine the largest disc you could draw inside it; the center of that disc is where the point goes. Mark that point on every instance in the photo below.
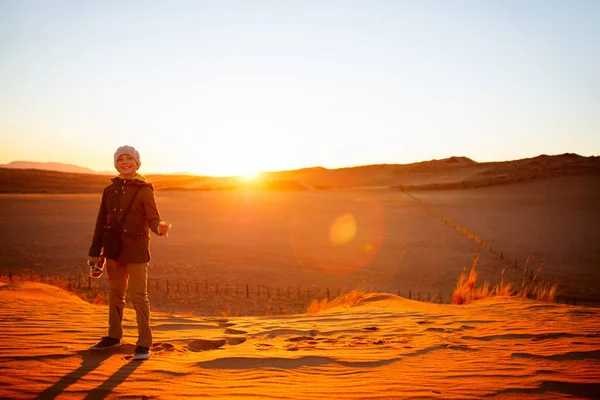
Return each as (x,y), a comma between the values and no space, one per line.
(386,348)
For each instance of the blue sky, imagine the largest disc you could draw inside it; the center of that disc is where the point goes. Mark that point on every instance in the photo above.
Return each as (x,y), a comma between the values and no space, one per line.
(235,87)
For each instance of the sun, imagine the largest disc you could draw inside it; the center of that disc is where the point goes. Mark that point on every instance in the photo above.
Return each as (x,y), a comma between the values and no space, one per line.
(250,176)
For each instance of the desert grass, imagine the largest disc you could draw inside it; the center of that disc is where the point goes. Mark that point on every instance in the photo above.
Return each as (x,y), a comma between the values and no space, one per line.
(531,286)
(465,288)
(348,300)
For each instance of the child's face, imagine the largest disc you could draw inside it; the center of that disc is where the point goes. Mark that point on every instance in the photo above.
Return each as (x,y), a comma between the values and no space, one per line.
(126,165)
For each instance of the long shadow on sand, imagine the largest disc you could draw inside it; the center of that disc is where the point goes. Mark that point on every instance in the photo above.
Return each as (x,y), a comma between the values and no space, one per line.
(113,381)
(90,360)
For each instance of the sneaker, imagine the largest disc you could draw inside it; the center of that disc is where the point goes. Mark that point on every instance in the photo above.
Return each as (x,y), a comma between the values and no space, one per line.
(106,342)
(141,353)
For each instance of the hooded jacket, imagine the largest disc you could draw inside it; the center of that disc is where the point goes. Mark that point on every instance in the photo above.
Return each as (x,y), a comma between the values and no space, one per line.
(143,217)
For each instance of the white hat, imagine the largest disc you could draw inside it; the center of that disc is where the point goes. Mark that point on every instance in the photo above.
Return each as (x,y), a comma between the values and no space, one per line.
(129,150)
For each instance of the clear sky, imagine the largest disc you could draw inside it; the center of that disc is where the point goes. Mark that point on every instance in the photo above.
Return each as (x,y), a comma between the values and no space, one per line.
(232,87)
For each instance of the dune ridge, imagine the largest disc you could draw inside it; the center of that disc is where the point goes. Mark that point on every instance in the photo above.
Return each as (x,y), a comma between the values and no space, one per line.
(449,173)
(385,348)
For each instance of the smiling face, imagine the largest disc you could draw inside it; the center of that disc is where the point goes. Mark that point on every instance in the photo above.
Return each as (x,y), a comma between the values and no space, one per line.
(127,166)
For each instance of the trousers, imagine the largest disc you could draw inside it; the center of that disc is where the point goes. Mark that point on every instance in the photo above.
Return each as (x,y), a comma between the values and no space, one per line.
(121,277)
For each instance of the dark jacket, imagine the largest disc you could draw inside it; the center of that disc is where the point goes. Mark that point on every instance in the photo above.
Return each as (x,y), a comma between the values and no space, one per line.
(143,217)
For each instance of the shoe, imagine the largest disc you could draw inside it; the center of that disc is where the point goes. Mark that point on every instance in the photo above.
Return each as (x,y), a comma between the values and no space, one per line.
(141,353)
(106,342)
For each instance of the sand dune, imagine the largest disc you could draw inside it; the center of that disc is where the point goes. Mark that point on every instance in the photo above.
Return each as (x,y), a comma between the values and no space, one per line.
(385,348)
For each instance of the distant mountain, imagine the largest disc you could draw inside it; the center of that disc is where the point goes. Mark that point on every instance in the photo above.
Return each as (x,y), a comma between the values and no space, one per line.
(50,166)
(448,173)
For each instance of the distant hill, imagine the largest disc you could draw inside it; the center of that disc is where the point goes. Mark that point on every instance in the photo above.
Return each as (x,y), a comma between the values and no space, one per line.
(449,173)
(50,166)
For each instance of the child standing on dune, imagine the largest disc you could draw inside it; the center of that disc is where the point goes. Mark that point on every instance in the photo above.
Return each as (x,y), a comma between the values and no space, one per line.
(127,213)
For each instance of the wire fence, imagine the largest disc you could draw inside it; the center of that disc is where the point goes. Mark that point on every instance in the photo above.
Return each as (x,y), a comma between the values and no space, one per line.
(181,290)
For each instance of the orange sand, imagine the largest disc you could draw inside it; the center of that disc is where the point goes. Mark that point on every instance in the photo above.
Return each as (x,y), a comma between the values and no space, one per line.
(386,348)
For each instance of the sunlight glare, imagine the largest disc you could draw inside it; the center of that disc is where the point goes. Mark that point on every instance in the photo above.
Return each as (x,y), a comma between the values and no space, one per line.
(250,176)
(343,229)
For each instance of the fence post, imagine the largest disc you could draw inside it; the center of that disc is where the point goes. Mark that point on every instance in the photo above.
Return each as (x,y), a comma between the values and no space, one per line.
(247,291)
(167,286)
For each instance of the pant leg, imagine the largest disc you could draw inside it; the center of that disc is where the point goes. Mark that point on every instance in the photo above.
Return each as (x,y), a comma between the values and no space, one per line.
(138,288)
(117,283)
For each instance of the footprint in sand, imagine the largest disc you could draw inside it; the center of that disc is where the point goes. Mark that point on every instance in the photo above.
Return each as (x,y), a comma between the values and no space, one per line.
(235,340)
(224,323)
(230,331)
(205,345)
(300,339)
(309,340)
(162,347)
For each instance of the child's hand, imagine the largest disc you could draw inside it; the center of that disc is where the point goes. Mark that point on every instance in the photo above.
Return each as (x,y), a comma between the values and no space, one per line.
(163,228)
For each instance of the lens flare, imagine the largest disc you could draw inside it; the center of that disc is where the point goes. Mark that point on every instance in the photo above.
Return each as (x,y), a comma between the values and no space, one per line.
(343,229)
(337,235)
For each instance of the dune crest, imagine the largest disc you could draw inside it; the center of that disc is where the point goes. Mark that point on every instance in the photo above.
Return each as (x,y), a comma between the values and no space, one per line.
(27,291)
(386,347)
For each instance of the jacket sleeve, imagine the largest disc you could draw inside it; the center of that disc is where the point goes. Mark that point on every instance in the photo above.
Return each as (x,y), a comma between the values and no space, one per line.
(151,209)
(96,246)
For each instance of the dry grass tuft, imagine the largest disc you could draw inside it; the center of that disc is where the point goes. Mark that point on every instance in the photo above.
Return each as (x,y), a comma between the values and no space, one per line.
(502,288)
(465,288)
(531,287)
(348,300)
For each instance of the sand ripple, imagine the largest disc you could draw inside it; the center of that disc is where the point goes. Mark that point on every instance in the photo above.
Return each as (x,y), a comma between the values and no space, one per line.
(386,348)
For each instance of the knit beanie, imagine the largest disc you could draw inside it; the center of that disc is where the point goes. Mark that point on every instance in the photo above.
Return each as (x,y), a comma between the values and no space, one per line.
(130,150)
